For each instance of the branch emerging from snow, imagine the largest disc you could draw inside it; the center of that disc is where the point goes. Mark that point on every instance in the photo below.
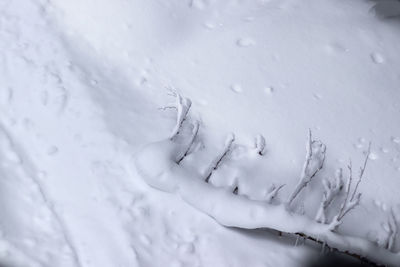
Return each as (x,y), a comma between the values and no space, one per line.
(391,230)
(331,190)
(195,131)
(260,144)
(350,202)
(182,106)
(273,192)
(362,170)
(315,159)
(215,163)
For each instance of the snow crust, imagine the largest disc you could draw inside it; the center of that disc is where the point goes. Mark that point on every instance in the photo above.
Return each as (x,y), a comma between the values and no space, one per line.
(81,84)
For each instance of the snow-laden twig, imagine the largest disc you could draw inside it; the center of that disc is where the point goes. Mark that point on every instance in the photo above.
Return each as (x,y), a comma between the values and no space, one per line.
(260,144)
(391,231)
(347,190)
(217,160)
(315,159)
(182,106)
(362,170)
(273,192)
(331,191)
(195,131)
(350,201)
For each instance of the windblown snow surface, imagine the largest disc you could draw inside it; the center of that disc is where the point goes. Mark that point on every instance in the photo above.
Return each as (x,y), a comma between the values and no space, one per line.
(81,82)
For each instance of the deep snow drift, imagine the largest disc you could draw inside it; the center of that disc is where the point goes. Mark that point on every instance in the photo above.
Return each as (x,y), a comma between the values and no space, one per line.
(80,87)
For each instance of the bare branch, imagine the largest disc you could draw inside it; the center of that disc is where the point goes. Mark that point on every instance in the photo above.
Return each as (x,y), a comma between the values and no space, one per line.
(273,192)
(168,107)
(347,190)
(195,131)
(182,106)
(334,224)
(393,230)
(331,191)
(315,159)
(362,170)
(215,163)
(350,202)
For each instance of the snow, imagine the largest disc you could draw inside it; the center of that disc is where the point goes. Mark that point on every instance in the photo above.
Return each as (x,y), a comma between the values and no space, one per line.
(81,84)
(232,210)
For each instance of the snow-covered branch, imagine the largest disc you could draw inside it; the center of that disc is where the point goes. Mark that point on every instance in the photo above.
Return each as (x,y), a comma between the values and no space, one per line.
(195,131)
(235,210)
(392,230)
(182,106)
(217,160)
(273,192)
(231,209)
(260,144)
(315,159)
(331,191)
(361,171)
(352,199)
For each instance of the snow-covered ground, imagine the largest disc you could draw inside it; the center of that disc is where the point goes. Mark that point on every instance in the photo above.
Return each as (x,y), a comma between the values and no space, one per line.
(81,84)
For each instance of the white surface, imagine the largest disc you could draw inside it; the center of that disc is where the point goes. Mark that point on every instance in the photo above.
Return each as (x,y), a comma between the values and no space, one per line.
(80,84)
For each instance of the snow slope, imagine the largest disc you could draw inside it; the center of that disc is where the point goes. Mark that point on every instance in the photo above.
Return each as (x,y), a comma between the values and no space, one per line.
(80,84)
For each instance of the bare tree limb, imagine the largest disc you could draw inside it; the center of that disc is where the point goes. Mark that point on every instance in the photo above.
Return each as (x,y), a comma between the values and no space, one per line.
(350,201)
(331,190)
(315,159)
(351,204)
(182,106)
(273,192)
(362,170)
(347,190)
(195,131)
(216,161)
(392,231)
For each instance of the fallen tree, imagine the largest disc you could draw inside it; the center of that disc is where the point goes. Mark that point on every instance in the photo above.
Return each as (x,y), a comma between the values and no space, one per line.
(231,209)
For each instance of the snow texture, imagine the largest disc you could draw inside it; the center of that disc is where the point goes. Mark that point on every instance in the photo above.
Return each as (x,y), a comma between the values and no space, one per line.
(81,87)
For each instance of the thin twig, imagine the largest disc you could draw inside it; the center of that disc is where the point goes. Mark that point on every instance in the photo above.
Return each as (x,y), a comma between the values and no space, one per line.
(195,130)
(309,172)
(273,192)
(182,106)
(331,191)
(215,163)
(362,170)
